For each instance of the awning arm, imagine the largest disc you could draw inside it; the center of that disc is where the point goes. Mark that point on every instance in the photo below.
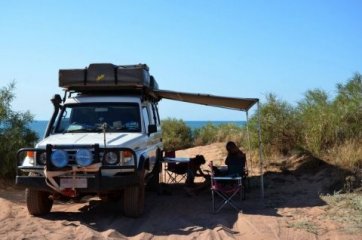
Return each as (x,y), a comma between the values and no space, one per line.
(261,161)
(250,169)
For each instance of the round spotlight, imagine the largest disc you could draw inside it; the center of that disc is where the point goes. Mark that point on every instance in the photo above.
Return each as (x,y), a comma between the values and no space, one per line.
(42,158)
(111,158)
(83,157)
(59,158)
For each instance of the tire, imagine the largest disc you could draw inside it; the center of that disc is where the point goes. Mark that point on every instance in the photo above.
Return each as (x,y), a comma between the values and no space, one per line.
(38,202)
(134,199)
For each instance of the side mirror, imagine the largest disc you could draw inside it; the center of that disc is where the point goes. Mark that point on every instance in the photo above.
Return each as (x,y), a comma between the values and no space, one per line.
(152,128)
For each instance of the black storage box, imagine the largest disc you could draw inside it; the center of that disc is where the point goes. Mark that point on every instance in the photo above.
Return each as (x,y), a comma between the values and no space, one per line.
(106,76)
(72,77)
(102,74)
(133,75)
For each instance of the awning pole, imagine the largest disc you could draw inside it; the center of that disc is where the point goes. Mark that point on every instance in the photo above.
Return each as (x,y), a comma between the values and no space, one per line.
(260,154)
(248,134)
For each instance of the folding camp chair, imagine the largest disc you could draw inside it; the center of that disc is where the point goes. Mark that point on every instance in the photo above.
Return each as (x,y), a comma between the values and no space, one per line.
(175,168)
(239,171)
(227,188)
(176,172)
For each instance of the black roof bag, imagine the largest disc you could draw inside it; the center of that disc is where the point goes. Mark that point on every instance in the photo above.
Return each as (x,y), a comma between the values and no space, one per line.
(103,76)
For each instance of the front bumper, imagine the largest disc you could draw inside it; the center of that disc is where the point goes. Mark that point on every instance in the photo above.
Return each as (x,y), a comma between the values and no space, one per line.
(95,184)
(122,177)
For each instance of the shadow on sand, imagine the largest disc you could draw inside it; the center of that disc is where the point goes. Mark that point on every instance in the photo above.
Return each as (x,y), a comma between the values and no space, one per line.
(181,214)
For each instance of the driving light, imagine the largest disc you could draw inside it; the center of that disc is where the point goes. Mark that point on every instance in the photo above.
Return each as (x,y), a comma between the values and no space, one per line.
(83,157)
(111,158)
(41,158)
(59,158)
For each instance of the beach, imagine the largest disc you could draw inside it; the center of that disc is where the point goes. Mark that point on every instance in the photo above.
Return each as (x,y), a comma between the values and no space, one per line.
(291,209)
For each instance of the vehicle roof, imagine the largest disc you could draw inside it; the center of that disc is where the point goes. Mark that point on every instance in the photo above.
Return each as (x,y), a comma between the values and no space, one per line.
(97,99)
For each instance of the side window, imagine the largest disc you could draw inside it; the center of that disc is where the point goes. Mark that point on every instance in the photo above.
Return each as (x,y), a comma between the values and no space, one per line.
(150,114)
(154,114)
(146,117)
(157,114)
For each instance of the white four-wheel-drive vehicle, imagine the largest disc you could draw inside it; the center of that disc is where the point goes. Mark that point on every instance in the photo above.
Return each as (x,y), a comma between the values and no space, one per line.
(104,139)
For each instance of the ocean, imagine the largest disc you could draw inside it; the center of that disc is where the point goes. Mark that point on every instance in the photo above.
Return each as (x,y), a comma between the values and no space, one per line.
(40,126)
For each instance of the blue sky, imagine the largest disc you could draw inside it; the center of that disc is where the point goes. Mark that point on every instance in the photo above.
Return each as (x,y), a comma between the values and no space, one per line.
(229,48)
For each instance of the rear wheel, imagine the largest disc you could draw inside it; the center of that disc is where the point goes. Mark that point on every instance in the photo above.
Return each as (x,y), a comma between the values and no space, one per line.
(38,202)
(134,198)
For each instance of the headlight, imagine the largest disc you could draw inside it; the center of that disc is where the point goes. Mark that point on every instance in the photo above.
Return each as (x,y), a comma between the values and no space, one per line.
(127,158)
(59,158)
(110,158)
(83,157)
(41,158)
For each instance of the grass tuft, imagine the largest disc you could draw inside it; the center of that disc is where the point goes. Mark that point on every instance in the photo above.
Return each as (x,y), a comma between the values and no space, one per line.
(305,225)
(345,209)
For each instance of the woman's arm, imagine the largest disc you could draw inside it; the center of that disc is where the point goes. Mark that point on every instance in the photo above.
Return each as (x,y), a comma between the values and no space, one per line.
(201,173)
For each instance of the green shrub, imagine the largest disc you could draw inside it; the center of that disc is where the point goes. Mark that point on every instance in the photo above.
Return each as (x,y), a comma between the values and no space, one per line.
(318,120)
(14,132)
(348,108)
(325,122)
(218,133)
(231,132)
(318,124)
(280,128)
(205,135)
(176,134)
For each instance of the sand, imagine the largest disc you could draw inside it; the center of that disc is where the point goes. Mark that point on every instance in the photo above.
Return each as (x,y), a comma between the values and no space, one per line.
(292,209)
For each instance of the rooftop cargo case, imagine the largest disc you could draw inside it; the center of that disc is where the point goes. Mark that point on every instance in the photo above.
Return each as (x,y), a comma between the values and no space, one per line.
(107,76)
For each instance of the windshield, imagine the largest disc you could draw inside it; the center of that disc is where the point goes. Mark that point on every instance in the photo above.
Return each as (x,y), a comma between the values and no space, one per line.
(98,117)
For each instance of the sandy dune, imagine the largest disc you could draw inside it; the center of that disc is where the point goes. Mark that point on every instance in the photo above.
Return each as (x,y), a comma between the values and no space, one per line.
(292,209)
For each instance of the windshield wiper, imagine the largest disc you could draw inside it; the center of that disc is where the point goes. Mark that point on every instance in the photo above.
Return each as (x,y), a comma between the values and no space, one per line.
(74,131)
(81,130)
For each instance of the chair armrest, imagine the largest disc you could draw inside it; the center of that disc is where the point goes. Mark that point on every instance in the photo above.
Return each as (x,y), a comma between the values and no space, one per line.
(227,178)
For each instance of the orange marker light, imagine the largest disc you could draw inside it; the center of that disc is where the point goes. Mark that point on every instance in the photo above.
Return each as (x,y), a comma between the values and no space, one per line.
(127,154)
(30,154)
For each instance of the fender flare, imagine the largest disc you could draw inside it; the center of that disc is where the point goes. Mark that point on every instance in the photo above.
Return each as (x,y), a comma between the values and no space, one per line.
(159,155)
(141,163)
(144,161)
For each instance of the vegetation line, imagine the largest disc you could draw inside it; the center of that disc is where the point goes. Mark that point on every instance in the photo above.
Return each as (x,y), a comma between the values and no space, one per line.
(326,128)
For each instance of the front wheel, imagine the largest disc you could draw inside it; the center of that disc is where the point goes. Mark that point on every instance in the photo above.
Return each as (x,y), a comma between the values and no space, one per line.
(38,202)
(134,199)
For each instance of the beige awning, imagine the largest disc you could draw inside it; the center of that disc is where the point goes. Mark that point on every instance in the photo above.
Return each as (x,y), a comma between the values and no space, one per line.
(243,104)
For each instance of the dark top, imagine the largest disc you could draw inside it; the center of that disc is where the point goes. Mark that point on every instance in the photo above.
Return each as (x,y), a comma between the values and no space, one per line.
(236,162)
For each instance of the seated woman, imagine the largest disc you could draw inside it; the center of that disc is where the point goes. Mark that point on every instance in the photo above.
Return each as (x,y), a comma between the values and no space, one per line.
(235,162)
